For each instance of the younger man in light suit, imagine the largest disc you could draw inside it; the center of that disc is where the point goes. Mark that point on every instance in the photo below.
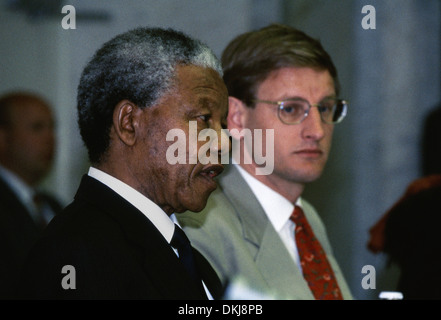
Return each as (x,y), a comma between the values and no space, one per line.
(280,79)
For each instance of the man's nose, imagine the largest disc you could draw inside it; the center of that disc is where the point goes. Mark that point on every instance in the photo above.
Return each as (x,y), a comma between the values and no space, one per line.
(313,125)
(223,145)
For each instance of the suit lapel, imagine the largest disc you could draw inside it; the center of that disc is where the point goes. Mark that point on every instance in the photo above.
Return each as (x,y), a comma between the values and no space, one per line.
(272,258)
(277,267)
(247,207)
(158,259)
(168,274)
(208,275)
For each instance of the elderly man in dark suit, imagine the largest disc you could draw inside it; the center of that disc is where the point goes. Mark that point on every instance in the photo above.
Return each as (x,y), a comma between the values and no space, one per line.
(27,149)
(116,240)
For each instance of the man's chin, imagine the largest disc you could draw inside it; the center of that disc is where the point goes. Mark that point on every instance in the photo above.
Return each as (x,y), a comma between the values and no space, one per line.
(199,206)
(196,200)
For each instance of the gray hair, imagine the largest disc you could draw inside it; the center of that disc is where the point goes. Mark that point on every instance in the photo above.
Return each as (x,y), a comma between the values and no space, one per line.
(138,65)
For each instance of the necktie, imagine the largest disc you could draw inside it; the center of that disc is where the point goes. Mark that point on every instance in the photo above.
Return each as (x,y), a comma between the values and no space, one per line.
(39,203)
(183,245)
(316,268)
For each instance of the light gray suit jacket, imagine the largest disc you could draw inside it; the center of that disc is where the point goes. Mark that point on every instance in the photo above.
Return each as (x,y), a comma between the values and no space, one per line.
(236,237)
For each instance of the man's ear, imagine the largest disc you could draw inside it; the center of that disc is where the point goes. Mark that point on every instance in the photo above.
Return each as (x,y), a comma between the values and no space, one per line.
(237,114)
(126,120)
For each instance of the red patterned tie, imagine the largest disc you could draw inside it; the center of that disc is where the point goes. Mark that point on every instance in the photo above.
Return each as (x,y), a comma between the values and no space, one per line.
(316,268)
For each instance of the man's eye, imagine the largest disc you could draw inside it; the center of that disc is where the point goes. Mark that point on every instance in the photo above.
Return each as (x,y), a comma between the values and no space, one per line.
(292,108)
(325,109)
(204,117)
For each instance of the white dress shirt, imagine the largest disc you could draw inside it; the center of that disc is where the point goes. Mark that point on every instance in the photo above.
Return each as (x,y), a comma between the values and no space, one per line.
(151,210)
(278,209)
(162,222)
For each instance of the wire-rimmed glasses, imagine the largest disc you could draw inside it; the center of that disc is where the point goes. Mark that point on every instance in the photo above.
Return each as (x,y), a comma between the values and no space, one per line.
(294,111)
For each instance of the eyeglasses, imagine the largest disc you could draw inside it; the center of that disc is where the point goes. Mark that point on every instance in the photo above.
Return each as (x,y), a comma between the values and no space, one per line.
(294,111)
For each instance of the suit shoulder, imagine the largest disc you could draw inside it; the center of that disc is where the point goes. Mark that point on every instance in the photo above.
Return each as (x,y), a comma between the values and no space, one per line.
(217,211)
(80,223)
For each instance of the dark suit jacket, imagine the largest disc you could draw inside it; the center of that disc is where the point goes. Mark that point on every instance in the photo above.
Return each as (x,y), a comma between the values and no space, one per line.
(18,232)
(116,251)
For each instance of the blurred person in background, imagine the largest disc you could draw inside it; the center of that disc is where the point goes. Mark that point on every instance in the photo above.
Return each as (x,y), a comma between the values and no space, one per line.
(407,231)
(27,149)
(408,234)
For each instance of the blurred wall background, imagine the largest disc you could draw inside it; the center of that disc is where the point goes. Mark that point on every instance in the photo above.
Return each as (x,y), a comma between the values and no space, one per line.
(390,75)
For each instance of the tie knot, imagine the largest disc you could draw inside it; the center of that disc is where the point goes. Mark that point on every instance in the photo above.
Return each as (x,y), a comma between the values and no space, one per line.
(179,240)
(297,214)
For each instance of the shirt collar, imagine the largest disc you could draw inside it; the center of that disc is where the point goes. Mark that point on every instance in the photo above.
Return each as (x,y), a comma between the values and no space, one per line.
(151,210)
(23,190)
(277,208)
